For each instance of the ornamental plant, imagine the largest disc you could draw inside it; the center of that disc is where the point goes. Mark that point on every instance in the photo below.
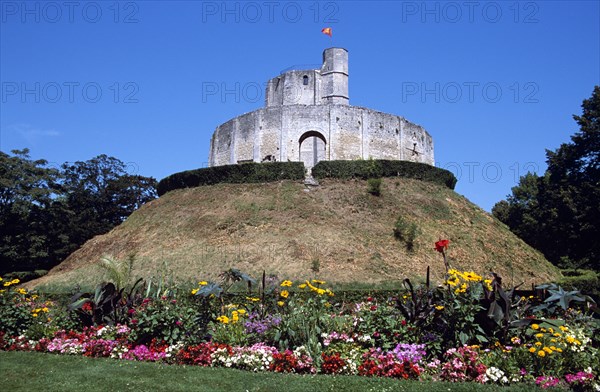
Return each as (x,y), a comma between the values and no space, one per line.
(387,364)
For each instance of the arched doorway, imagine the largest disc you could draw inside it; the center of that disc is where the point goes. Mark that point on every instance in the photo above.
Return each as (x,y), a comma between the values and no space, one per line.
(312,148)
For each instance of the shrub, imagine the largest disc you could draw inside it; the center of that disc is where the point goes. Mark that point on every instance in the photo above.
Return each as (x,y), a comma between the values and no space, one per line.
(383,168)
(234,174)
(586,281)
(406,232)
(374,186)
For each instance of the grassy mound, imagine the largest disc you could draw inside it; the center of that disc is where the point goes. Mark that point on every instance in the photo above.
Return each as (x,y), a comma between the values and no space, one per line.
(337,231)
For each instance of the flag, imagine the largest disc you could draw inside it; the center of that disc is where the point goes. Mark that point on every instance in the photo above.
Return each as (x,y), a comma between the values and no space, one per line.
(326,30)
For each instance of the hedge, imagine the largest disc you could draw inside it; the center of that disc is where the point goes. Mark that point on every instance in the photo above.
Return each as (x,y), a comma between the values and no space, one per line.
(586,281)
(376,168)
(235,174)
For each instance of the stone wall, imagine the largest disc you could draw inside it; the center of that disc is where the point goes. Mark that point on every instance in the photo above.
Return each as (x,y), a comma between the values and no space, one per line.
(349,132)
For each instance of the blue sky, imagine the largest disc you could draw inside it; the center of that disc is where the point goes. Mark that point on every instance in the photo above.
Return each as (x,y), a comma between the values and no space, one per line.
(495,83)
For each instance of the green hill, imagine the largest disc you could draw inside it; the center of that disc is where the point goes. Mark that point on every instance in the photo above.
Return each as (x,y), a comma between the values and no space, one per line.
(290,230)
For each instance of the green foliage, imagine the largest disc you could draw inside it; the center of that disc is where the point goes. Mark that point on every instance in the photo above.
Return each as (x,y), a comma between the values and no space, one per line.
(374,186)
(47,213)
(303,321)
(25,276)
(558,213)
(383,168)
(587,281)
(559,298)
(118,271)
(406,232)
(234,174)
(165,319)
(15,318)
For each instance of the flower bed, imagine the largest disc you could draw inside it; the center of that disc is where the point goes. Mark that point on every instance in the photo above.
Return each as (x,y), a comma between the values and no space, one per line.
(468,329)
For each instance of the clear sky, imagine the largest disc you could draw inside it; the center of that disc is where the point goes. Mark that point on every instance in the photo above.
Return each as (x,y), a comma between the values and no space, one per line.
(494,82)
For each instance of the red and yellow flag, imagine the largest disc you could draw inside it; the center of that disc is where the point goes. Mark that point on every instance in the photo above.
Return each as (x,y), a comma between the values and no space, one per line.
(326,30)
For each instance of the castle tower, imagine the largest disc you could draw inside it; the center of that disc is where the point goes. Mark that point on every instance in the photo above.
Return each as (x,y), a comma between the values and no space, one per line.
(334,76)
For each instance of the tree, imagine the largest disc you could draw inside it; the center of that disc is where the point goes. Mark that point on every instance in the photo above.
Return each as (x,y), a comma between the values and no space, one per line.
(100,194)
(27,189)
(46,214)
(559,213)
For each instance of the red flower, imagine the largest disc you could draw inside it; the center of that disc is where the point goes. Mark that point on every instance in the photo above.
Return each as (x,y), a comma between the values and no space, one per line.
(373,307)
(441,245)
(87,307)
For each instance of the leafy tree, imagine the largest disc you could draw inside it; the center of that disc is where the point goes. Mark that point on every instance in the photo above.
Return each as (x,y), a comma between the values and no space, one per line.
(559,213)
(46,213)
(27,189)
(100,194)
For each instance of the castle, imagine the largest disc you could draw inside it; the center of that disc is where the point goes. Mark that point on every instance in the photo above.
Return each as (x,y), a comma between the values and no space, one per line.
(307,117)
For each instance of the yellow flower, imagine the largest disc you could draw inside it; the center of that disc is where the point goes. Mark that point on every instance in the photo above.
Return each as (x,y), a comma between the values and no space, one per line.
(22,291)
(541,353)
(223,319)
(316,281)
(439,307)
(563,328)
(559,350)
(35,315)
(550,330)
(532,350)
(538,344)
(539,335)
(6,284)
(329,292)
(45,310)
(286,283)
(453,282)
(280,303)
(570,339)
(15,281)
(203,283)
(234,317)
(253,299)
(320,291)
(543,329)
(535,327)
(472,276)
(285,293)
(194,291)
(242,311)
(302,286)
(488,284)
(548,350)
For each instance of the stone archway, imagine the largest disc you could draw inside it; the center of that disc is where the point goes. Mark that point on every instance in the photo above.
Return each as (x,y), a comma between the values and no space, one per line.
(312,148)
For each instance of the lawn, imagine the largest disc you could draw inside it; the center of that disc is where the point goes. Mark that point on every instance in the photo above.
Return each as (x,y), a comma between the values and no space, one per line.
(36,372)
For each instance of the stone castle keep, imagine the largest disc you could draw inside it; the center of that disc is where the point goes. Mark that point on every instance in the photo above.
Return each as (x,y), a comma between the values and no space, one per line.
(307,117)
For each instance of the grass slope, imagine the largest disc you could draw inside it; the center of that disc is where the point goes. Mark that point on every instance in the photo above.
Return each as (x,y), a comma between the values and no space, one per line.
(288,229)
(46,372)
